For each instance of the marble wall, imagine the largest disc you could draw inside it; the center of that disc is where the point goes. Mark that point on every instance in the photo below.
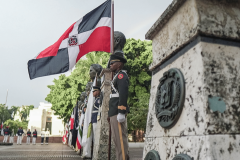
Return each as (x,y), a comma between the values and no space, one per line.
(207,72)
(202,39)
(185,19)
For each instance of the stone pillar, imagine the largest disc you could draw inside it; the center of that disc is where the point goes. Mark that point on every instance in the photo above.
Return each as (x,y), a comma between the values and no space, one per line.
(100,150)
(201,40)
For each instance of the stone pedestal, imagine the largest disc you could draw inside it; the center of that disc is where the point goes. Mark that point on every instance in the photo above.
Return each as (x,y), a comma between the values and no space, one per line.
(100,150)
(201,38)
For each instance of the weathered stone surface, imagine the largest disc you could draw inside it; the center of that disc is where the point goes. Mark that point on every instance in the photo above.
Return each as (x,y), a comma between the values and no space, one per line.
(178,31)
(163,19)
(221,79)
(185,19)
(208,127)
(209,70)
(100,150)
(219,18)
(209,147)
(191,121)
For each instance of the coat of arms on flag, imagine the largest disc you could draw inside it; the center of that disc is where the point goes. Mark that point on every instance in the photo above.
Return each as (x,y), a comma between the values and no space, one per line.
(93,32)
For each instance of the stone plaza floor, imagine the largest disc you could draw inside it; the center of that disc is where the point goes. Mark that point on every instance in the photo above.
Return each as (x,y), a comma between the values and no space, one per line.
(53,151)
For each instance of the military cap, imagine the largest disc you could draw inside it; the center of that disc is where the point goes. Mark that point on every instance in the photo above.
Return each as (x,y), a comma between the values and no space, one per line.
(96,88)
(118,57)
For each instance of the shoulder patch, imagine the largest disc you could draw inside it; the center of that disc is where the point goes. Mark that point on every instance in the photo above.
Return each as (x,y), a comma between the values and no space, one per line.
(120,76)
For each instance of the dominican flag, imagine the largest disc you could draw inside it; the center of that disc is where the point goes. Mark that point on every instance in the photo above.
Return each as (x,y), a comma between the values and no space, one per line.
(93,32)
(72,122)
(79,137)
(2,129)
(87,127)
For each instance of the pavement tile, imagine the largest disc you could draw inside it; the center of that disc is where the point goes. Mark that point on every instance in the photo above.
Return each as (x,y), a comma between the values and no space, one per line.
(53,151)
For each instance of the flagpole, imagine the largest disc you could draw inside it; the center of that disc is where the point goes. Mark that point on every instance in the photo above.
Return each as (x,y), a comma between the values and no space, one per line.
(112,47)
(110,132)
(6,97)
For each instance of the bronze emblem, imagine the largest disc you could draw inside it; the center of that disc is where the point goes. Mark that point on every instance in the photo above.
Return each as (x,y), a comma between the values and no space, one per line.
(152,155)
(170,98)
(182,157)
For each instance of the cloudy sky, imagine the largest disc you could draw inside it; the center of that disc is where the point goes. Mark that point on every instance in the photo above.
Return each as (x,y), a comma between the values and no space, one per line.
(29,26)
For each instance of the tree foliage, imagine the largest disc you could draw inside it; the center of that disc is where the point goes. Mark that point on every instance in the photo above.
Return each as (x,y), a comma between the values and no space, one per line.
(66,90)
(7,116)
(139,56)
(24,112)
(15,125)
(5,113)
(14,110)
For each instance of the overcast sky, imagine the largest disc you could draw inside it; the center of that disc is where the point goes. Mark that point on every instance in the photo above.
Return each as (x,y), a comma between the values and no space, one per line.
(29,26)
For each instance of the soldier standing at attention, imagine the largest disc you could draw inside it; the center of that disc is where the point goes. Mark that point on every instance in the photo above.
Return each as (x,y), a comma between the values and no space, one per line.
(47,135)
(12,136)
(6,133)
(96,94)
(19,133)
(118,107)
(34,137)
(28,136)
(42,136)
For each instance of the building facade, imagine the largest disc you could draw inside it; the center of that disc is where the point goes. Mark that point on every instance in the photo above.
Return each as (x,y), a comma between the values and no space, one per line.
(43,117)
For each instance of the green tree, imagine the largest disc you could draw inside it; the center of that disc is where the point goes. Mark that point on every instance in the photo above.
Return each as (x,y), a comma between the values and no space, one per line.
(15,125)
(66,90)
(14,110)
(5,113)
(24,112)
(139,56)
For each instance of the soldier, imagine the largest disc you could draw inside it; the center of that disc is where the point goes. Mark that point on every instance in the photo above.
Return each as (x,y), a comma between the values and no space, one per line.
(12,137)
(96,94)
(28,136)
(118,107)
(42,136)
(47,135)
(34,137)
(6,133)
(19,133)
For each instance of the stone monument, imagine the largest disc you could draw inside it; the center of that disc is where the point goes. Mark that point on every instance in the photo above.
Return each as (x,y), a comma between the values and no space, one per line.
(194,103)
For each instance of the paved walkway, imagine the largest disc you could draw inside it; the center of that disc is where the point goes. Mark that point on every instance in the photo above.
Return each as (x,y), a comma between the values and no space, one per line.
(53,151)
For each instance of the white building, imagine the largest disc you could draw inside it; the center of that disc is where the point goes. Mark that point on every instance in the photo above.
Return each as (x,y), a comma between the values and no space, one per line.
(43,117)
